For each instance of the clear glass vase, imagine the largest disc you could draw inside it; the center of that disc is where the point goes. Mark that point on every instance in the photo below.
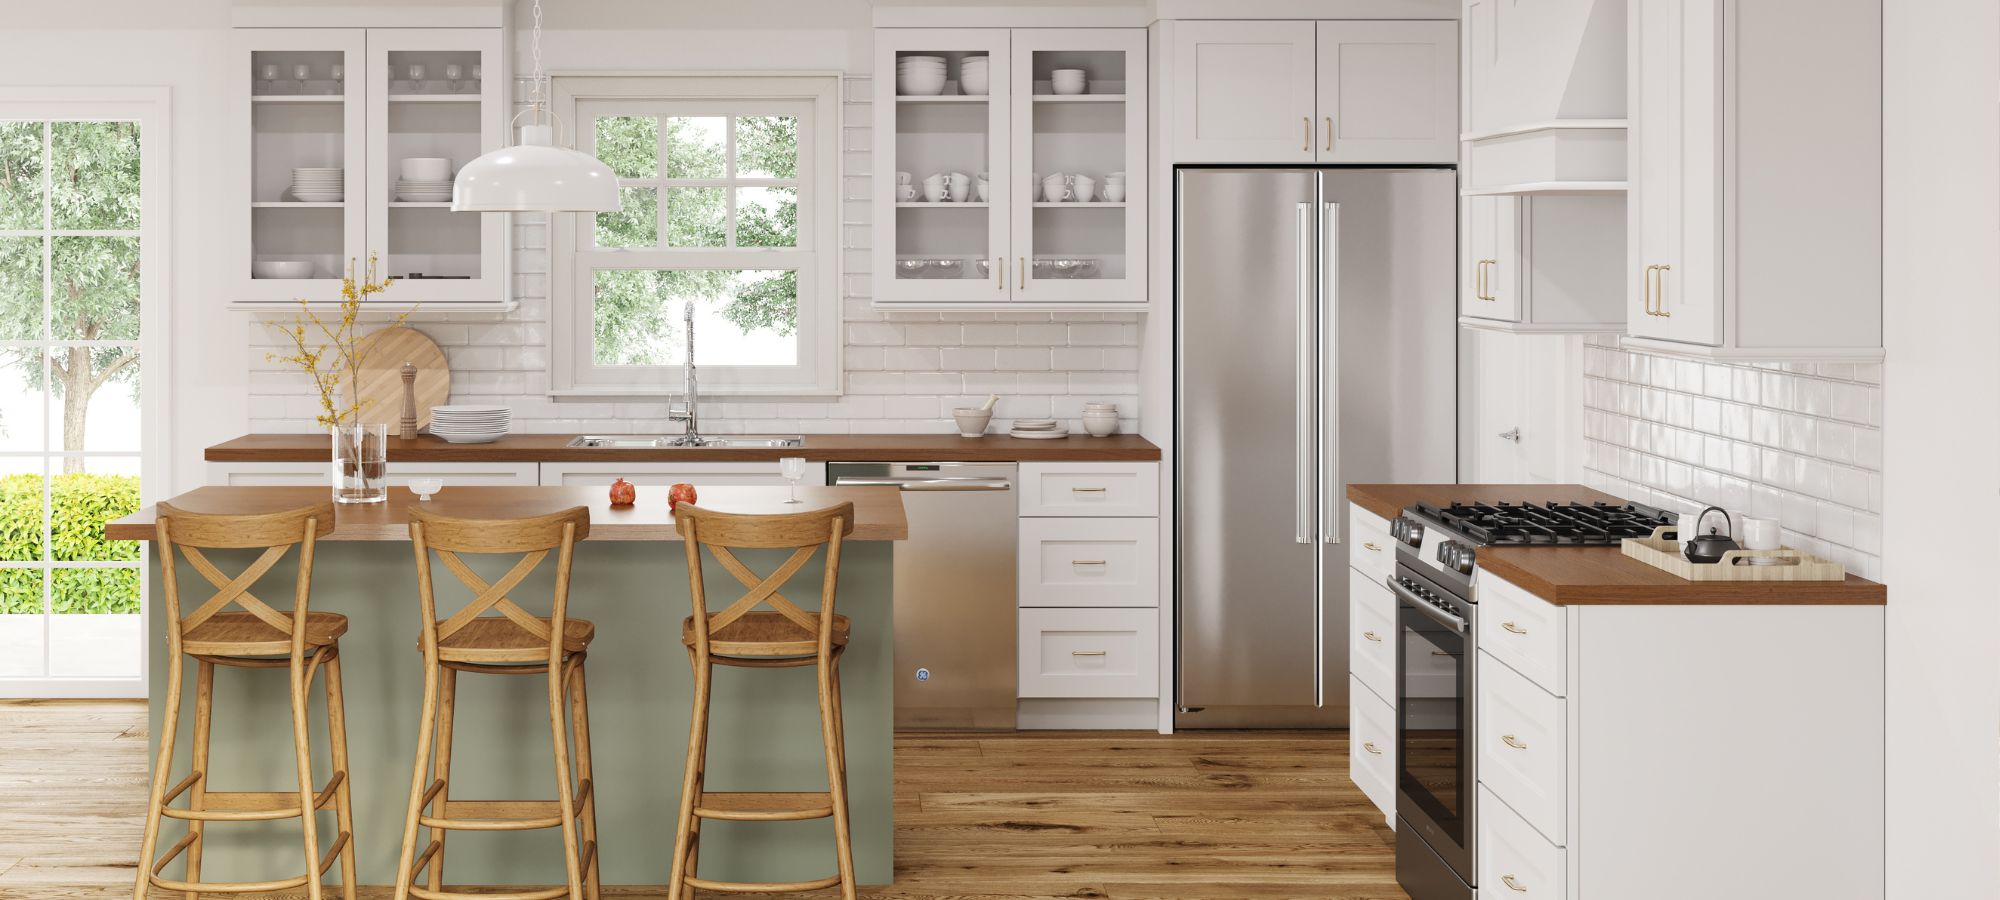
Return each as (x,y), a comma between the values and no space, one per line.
(360,463)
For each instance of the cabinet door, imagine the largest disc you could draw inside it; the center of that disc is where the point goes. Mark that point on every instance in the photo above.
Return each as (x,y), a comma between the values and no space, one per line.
(1068,247)
(1388,92)
(1490,281)
(282,124)
(1674,194)
(436,255)
(954,248)
(1243,92)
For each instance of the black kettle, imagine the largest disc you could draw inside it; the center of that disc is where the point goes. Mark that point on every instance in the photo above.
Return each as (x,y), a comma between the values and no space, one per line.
(1708,548)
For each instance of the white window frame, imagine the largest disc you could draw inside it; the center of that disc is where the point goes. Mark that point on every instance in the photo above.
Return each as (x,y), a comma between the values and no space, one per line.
(151,107)
(815,95)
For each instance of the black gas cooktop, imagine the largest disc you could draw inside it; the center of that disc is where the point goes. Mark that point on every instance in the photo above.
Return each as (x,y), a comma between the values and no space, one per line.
(1513,524)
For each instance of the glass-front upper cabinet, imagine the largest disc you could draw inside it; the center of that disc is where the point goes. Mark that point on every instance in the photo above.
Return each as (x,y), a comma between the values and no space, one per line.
(1009,168)
(349,141)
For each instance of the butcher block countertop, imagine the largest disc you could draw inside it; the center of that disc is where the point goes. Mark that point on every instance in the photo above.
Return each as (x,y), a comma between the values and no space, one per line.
(818,448)
(878,511)
(1575,576)
(1389,500)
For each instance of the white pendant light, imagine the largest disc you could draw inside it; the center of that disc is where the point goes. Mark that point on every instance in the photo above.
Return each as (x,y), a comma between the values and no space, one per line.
(535,175)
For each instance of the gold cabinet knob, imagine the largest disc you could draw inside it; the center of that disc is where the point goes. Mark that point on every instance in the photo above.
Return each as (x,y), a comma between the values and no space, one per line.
(1508,739)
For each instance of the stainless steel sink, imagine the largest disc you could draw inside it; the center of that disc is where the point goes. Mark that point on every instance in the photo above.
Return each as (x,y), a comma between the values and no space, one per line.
(675,441)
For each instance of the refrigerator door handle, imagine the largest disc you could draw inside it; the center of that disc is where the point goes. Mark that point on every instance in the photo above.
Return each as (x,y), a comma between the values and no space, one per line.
(1305,422)
(1329,360)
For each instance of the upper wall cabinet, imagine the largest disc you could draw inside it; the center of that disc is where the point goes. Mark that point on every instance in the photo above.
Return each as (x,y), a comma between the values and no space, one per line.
(1755,210)
(1010,167)
(1544,96)
(1542,264)
(1315,92)
(324,119)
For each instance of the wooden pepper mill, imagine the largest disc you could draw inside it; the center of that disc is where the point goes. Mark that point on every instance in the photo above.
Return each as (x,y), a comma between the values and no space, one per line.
(409,402)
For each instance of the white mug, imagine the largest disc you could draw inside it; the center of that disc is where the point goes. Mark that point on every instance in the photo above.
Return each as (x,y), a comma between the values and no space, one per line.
(1114,193)
(906,193)
(1760,534)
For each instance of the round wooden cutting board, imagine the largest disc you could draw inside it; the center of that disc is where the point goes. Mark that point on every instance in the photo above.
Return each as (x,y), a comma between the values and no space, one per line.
(381,377)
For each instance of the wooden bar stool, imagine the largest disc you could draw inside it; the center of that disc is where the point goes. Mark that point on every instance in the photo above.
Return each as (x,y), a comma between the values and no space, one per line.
(789,636)
(512,643)
(259,637)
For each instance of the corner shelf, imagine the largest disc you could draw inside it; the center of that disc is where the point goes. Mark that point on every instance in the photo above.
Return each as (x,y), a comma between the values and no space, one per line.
(1547,188)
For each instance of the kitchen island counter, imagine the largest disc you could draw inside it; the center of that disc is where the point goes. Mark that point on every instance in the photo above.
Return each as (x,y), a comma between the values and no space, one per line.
(630,579)
(817,448)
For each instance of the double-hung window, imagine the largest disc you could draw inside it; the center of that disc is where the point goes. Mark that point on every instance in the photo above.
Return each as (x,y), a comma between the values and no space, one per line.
(729,198)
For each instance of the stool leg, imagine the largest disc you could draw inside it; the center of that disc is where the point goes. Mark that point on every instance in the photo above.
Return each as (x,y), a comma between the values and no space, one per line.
(691,781)
(162,768)
(302,756)
(447,713)
(204,710)
(836,769)
(565,796)
(336,730)
(580,726)
(420,781)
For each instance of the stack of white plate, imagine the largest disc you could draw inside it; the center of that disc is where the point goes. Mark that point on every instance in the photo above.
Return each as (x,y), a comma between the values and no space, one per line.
(470,424)
(972,75)
(1038,429)
(319,185)
(423,191)
(920,75)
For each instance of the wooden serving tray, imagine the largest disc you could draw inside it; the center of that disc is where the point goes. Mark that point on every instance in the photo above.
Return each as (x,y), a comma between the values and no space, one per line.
(1662,553)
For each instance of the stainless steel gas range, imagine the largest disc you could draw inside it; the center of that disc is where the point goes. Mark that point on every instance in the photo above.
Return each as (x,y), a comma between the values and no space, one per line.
(1436,611)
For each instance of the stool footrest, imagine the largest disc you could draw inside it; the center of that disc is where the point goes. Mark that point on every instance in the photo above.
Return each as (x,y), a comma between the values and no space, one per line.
(227,888)
(549,894)
(749,888)
(764,806)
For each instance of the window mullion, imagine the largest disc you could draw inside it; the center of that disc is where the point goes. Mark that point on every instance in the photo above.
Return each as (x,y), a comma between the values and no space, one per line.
(48,289)
(729,173)
(662,196)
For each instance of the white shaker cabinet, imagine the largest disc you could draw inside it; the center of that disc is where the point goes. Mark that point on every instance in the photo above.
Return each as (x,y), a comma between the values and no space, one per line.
(1755,214)
(1543,264)
(1301,92)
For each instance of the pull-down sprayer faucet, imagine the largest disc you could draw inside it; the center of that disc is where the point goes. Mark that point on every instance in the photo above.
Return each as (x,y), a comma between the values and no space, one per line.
(690,390)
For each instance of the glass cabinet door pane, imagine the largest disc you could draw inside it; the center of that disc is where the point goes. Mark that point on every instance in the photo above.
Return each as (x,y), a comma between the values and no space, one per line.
(947,153)
(299,163)
(434,120)
(1078,181)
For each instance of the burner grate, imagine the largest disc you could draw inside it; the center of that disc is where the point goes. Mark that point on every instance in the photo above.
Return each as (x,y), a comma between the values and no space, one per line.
(1552,524)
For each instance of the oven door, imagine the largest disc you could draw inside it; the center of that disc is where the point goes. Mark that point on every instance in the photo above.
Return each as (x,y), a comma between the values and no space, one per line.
(1434,778)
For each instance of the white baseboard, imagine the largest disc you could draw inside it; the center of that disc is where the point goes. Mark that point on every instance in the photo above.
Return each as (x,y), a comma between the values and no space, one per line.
(1074,713)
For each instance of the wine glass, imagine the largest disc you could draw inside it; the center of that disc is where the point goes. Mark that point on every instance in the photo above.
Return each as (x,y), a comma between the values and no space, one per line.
(793,468)
(425,487)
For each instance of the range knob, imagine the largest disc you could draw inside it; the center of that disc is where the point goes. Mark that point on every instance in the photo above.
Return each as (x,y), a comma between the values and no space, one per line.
(1456,555)
(1407,530)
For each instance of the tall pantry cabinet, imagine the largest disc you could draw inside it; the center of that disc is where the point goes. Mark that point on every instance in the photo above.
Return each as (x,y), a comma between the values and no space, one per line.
(1755,208)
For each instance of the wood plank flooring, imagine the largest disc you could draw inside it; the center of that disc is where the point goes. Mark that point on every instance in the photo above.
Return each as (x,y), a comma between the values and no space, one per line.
(1037,815)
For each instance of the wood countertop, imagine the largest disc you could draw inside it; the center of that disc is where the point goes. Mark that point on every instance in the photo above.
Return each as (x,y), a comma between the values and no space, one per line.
(1576,576)
(818,447)
(878,511)
(1389,500)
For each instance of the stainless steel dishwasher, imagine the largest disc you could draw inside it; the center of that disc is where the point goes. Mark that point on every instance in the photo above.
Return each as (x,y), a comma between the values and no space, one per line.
(954,583)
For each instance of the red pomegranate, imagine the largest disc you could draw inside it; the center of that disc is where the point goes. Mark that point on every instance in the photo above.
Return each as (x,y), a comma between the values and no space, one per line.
(623,493)
(680,493)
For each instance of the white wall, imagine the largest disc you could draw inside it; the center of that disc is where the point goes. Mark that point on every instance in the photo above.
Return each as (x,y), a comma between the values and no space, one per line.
(1941,427)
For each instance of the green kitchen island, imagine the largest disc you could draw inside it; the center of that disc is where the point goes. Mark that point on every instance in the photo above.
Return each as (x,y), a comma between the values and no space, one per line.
(630,579)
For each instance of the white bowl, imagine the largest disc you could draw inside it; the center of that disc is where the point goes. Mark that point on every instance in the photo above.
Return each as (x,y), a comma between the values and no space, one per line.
(974,83)
(281,269)
(426,168)
(920,84)
(1100,426)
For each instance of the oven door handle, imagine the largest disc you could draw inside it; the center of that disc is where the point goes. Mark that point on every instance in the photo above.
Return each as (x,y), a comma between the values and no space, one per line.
(1410,599)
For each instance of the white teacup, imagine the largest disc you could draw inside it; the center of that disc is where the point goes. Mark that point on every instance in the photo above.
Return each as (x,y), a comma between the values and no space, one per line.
(1114,193)
(906,193)
(902,178)
(1760,534)
(983,190)
(1082,188)
(1054,191)
(1118,177)
(961,186)
(933,191)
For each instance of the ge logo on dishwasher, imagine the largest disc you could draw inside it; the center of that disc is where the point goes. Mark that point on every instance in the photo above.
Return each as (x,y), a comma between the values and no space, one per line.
(923,674)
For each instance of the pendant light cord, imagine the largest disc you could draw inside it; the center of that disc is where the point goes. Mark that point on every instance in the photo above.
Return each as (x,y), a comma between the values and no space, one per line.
(537,96)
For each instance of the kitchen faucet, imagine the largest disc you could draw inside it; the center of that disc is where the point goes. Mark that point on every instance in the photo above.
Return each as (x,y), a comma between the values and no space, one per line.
(690,391)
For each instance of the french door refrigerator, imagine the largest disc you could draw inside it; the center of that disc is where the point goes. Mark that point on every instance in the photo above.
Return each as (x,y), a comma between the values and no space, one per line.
(1316,345)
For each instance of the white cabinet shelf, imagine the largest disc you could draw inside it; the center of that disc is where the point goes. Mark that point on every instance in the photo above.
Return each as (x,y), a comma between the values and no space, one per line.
(1014,135)
(364,125)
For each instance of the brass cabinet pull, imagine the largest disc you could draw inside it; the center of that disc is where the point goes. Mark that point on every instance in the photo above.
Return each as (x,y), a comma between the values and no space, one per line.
(1309,135)
(1508,739)
(1088,562)
(1371,546)
(1660,291)
(1646,288)
(1510,627)
(1329,132)
(1370,747)
(1086,653)
(1021,284)
(1370,635)
(1088,490)
(1509,879)
(1000,265)
(1485,283)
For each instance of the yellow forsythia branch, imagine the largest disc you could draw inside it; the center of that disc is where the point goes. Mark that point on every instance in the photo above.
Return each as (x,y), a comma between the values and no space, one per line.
(329,364)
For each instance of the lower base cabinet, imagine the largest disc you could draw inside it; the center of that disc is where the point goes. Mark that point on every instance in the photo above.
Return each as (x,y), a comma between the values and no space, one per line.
(1513,855)
(592,474)
(1089,652)
(320,473)
(1371,754)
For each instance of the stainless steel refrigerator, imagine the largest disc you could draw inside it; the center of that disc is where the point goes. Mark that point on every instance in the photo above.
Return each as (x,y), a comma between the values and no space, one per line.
(1316,345)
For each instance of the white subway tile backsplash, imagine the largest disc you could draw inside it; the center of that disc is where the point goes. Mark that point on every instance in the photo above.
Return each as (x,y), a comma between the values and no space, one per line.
(1800,442)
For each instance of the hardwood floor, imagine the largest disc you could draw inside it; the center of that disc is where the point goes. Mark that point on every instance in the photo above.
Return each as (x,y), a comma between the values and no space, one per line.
(1031,816)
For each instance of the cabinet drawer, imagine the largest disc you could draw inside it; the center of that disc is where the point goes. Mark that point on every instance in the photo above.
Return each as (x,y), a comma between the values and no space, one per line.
(1523,631)
(1523,747)
(523,474)
(1371,617)
(1090,653)
(1368,545)
(1090,562)
(1090,489)
(591,474)
(1371,756)
(1514,860)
